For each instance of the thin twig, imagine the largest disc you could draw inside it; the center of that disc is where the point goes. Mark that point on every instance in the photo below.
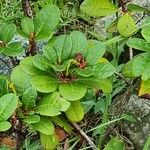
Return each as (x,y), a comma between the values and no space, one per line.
(123,5)
(83,134)
(14,61)
(29,13)
(139,20)
(130,53)
(27,8)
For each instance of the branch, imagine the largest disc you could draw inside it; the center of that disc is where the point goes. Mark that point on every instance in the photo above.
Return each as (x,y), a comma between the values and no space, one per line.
(27,8)
(14,61)
(122,4)
(130,53)
(29,13)
(82,133)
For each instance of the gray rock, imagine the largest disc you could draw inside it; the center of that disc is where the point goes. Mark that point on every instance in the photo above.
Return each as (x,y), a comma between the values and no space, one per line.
(139,17)
(5,63)
(139,131)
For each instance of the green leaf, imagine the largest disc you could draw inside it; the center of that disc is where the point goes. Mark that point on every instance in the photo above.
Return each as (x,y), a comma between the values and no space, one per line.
(97,129)
(8,104)
(63,45)
(128,69)
(7,32)
(136,8)
(46,21)
(100,106)
(138,44)
(52,105)
(98,8)
(67,46)
(29,98)
(136,66)
(50,53)
(146,33)
(31,119)
(5,125)
(58,45)
(2,48)
(20,79)
(145,88)
(44,126)
(27,65)
(112,28)
(115,144)
(79,43)
(3,86)
(114,40)
(60,121)
(13,49)
(41,62)
(86,72)
(20,32)
(146,22)
(146,72)
(104,70)
(75,113)
(147,144)
(49,142)
(95,52)
(129,118)
(44,84)
(59,68)
(126,25)
(72,91)
(96,83)
(27,26)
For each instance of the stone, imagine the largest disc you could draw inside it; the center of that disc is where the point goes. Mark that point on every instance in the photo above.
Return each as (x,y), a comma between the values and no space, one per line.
(139,17)
(139,132)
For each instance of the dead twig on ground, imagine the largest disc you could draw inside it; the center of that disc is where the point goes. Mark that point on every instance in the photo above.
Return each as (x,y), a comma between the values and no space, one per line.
(85,136)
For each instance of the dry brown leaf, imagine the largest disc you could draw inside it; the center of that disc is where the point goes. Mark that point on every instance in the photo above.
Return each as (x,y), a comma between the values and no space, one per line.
(7,142)
(60,134)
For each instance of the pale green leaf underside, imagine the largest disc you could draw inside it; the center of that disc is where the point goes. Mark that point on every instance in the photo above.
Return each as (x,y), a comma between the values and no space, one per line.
(75,113)
(49,142)
(126,25)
